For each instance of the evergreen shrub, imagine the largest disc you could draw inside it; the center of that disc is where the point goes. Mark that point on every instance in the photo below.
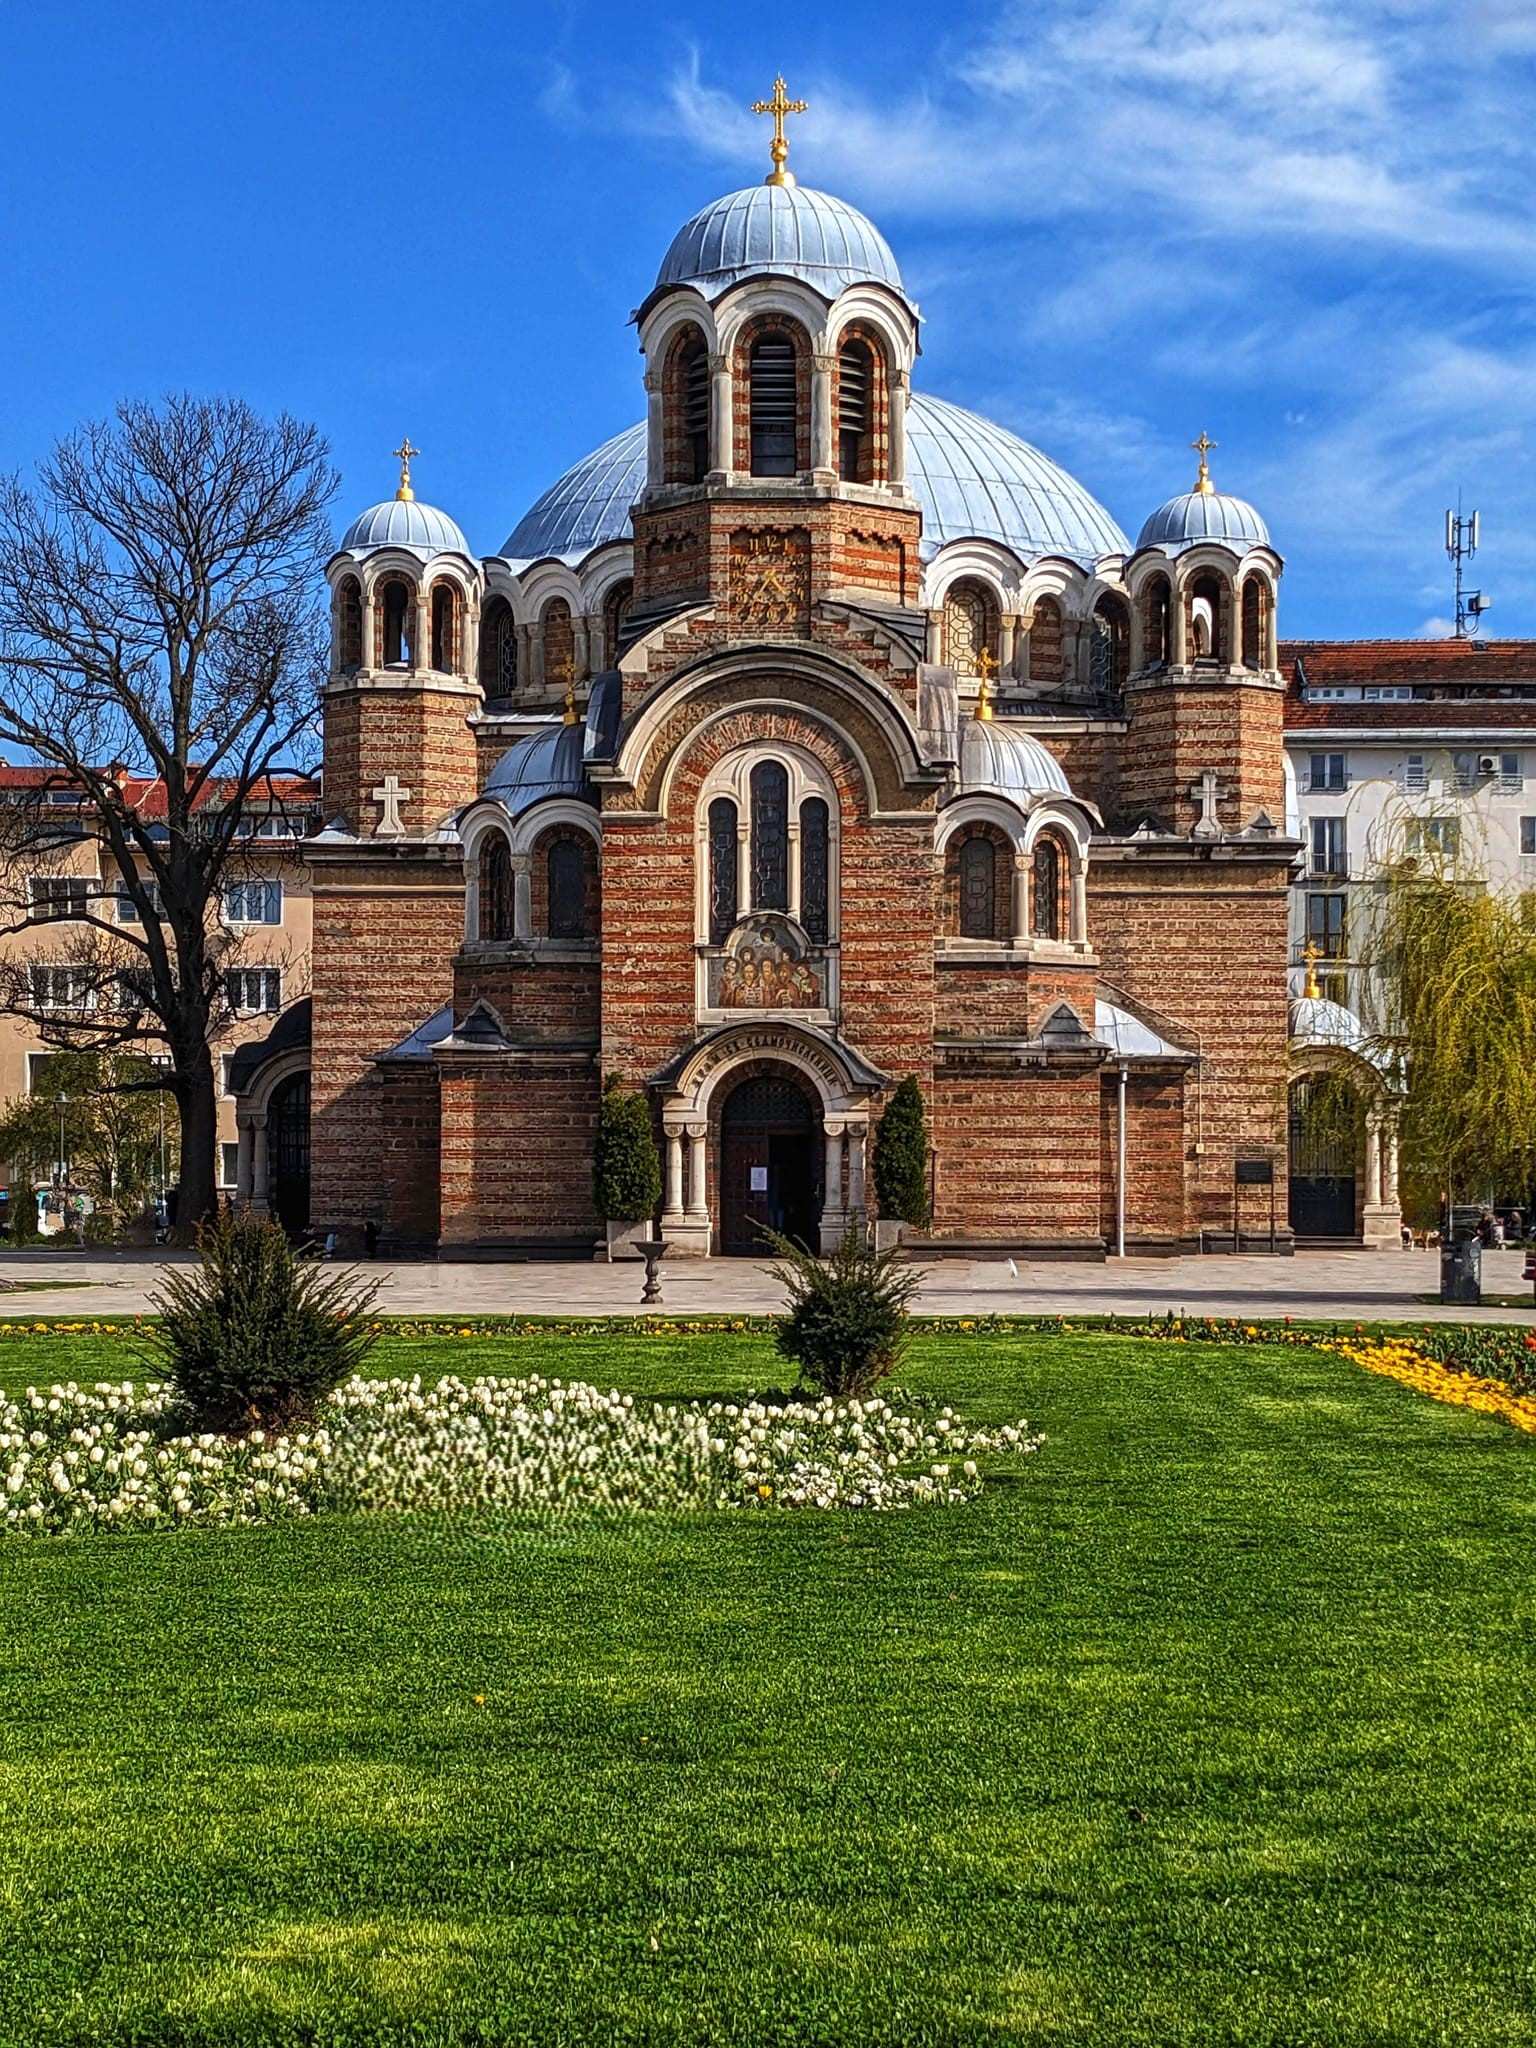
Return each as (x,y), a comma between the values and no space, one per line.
(901,1156)
(846,1323)
(253,1338)
(626,1173)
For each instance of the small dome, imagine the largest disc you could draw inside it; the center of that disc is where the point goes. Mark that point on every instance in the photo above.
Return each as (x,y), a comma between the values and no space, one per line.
(779,231)
(1204,515)
(1316,1021)
(544,764)
(973,479)
(1002,760)
(404,523)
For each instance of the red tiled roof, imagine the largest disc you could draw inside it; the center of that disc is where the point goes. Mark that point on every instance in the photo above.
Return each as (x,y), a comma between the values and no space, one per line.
(1477,683)
(147,793)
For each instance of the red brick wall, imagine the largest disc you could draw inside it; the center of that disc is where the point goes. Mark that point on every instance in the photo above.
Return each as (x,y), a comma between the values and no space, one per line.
(1178,730)
(421,735)
(1009,999)
(1018,1157)
(517,1151)
(1155,1207)
(535,999)
(406,1157)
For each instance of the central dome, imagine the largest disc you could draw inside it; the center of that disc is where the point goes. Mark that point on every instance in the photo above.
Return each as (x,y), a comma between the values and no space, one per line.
(973,479)
(779,231)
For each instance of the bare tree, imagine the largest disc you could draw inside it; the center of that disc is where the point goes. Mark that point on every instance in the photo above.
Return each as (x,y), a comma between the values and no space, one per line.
(159,619)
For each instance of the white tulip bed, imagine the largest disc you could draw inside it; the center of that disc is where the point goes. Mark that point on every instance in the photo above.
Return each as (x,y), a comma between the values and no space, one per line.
(74,1458)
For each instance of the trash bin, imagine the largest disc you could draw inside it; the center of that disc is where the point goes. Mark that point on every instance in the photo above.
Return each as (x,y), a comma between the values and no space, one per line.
(1461,1271)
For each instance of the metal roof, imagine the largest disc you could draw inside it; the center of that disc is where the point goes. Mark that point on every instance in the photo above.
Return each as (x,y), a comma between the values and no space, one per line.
(1128,1038)
(779,231)
(544,764)
(405,523)
(1204,515)
(972,478)
(1000,760)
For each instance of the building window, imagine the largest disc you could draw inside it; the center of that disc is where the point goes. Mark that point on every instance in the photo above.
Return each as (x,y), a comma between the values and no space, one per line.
(855,399)
(696,413)
(722,869)
(349,625)
(1255,621)
(1465,768)
(498,649)
(978,888)
(567,878)
(615,611)
(128,910)
(1415,775)
(1046,890)
(1109,647)
(1158,615)
(254,991)
(226,1061)
(815,838)
(1328,771)
(445,635)
(559,643)
(1511,774)
(1528,835)
(770,836)
(1329,851)
(1434,838)
(771,382)
(1334,988)
(1325,925)
(392,605)
(54,896)
(229,1165)
(61,988)
(253,902)
(495,890)
(1207,623)
(972,619)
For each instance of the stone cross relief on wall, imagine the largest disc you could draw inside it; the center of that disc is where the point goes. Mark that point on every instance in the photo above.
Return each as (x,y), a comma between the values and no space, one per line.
(389,796)
(1206,793)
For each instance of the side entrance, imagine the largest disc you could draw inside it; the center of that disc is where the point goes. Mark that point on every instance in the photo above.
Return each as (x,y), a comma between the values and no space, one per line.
(770,1165)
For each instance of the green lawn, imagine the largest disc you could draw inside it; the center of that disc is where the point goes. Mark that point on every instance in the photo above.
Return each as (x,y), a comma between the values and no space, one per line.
(1210,1723)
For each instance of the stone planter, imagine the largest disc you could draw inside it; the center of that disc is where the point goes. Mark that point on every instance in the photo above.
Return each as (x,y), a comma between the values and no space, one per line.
(888,1232)
(622,1239)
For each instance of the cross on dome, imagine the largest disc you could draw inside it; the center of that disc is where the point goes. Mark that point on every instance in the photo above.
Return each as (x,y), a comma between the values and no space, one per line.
(1202,448)
(780,105)
(404,453)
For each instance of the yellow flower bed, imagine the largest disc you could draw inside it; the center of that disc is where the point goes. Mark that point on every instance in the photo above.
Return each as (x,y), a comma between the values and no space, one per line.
(1398,1359)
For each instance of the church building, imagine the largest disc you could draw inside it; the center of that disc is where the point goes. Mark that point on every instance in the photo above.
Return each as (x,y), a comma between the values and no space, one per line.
(812,733)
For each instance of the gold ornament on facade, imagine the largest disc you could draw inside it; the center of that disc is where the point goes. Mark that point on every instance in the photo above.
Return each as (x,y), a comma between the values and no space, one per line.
(985,661)
(780,105)
(405,452)
(1311,954)
(770,579)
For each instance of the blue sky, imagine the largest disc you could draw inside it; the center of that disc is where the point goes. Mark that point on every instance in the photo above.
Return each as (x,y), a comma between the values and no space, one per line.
(1304,226)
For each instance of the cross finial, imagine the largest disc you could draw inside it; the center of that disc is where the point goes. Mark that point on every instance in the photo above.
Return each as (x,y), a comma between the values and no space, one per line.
(984,661)
(405,452)
(780,105)
(1202,448)
(1311,953)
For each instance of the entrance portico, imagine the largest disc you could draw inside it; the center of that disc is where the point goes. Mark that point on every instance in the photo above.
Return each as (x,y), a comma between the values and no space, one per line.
(708,1149)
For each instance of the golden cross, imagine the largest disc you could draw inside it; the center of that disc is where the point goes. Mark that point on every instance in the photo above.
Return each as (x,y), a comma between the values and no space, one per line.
(1202,448)
(985,661)
(780,105)
(1311,953)
(404,452)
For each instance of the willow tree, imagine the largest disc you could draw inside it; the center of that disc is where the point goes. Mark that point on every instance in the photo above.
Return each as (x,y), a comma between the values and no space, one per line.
(1450,991)
(159,625)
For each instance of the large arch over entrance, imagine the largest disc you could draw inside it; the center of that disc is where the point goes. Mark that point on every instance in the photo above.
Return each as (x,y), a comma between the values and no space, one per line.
(1341,1149)
(837,1087)
(769,1150)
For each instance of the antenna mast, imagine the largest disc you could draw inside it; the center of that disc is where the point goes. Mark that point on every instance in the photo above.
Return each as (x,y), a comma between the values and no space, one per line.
(1461,538)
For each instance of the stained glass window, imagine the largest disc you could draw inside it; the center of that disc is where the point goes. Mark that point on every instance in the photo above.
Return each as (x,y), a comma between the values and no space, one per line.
(770,836)
(978,889)
(1047,890)
(495,888)
(568,890)
(814,833)
(498,641)
(722,869)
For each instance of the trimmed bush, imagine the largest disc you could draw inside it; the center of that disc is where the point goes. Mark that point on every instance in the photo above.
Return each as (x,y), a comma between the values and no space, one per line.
(626,1173)
(901,1156)
(846,1325)
(253,1338)
(101,1226)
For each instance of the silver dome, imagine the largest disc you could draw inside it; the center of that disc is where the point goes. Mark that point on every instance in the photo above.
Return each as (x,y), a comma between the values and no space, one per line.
(544,764)
(404,523)
(778,231)
(1204,516)
(1003,760)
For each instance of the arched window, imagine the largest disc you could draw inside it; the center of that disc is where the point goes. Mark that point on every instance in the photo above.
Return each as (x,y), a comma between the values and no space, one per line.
(978,888)
(1207,627)
(615,611)
(815,841)
(392,608)
(1255,621)
(498,649)
(1110,647)
(695,398)
(855,412)
(495,888)
(1158,614)
(972,622)
(349,625)
(559,644)
(771,384)
(567,875)
(445,619)
(1046,889)
(1046,663)
(770,836)
(722,869)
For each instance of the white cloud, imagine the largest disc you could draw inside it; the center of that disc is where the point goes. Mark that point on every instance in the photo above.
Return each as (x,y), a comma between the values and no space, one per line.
(1436,629)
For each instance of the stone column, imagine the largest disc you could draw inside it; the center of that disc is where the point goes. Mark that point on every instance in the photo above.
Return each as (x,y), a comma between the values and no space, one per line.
(531,669)
(698,1191)
(936,635)
(581,645)
(1080,901)
(794,866)
(832,1214)
(1372,1160)
(1179,652)
(472,898)
(856,1136)
(245,1161)
(823,461)
(743,867)
(368,627)
(655,431)
(1020,919)
(522,896)
(421,635)
(1007,644)
(722,417)
(259,1159)
(1381,1220)
(674,1209)
(901,388)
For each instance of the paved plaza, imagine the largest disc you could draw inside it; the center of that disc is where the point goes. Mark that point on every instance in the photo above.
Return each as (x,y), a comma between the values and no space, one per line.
(1342,1285)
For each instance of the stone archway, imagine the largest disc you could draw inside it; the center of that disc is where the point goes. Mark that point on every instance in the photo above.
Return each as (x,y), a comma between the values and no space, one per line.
(1341,1169)
(769,1173)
